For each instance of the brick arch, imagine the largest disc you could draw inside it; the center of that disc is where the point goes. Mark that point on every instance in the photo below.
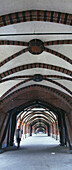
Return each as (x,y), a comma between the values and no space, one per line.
(41,125)
(44,104)
(30,115)
(47,105)
(25,81)
(40,93)
(53,90)
(44,121)
(35,65)
(36,117)
(32,103)
(36,15)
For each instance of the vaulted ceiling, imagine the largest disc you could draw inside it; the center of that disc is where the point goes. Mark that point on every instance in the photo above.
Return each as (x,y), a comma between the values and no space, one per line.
(36,53)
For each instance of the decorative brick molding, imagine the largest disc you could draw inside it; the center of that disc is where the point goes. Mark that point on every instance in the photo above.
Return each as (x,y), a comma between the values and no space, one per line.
(36,15)
(57,54)
(36,78)
(30,77)
(13,56)
(35,65)
(54,91)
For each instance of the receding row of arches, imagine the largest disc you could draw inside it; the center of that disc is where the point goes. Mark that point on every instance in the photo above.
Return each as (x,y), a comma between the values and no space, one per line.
(32,116)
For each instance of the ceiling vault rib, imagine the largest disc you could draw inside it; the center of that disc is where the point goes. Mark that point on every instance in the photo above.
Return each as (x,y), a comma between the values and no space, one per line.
(13,56)
(22,77)
(35,65)
(57,54)
(36,60)
(25,81)
(36,15)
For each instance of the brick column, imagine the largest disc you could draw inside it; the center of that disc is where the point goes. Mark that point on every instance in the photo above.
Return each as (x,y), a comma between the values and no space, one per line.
(30,130)
(56,130)
(13,125)
(48,130)
(24,130)
(61,129)
(52,131)
(33,130)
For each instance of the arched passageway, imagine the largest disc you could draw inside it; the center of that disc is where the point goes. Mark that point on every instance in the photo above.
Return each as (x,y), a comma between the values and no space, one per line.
(36,70)
(35,115)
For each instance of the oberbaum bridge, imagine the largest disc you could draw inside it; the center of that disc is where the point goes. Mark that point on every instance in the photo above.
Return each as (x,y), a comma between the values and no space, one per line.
(36,71)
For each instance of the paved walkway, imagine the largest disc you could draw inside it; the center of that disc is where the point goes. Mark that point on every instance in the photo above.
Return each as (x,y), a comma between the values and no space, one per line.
(37,153)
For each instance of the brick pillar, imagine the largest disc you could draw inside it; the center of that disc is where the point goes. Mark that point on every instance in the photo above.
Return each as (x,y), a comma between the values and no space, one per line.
(33,130)
(66,131)
(48,130)
(24,130)
(3,122)
(45,130)
(61,129)
(13,126)
(52,131)
(27,130)
(56,130)
(30,130)
(68,119)
(4,131)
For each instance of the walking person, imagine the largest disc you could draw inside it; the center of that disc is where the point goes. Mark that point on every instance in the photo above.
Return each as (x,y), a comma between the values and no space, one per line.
(18,137)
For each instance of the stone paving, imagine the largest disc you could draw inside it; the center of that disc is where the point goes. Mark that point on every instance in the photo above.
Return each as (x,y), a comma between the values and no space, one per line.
(39,152)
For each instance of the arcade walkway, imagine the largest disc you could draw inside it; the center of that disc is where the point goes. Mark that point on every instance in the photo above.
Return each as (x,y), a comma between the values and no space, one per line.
(37,153)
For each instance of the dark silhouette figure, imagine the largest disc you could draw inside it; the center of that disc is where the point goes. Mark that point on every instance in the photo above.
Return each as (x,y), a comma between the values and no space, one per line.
(18,136)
